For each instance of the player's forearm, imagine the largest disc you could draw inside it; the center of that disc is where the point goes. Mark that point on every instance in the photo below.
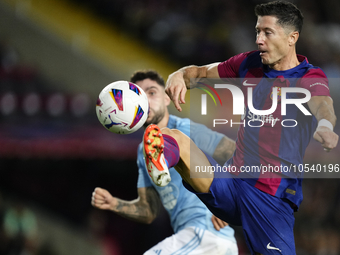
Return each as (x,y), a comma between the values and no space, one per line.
(193,72)
(134,210)
(325,110)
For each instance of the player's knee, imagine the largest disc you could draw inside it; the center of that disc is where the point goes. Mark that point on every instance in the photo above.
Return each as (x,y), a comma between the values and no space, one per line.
(166,131)
(175,133)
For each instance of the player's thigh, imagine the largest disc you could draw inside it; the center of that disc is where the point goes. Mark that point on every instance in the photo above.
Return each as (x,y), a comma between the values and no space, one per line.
(190,157)
(194,241)
(268,222)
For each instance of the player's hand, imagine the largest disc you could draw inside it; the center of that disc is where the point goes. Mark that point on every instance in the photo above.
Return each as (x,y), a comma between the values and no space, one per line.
(218,223)
(102,199)
(176,89)
(326,137)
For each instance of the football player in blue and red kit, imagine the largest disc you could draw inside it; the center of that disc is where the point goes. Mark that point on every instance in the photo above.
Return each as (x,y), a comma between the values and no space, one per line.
(262,202)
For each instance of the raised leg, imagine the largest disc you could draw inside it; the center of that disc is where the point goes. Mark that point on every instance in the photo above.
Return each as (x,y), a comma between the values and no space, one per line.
(190,157)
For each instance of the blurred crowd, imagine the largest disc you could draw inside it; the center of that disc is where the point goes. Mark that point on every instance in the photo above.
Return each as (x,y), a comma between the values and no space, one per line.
(18,229)
(16,76)
(201,32)
(317,226)
(25,92)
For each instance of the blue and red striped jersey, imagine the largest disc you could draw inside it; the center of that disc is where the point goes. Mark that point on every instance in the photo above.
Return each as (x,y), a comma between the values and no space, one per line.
(276,140)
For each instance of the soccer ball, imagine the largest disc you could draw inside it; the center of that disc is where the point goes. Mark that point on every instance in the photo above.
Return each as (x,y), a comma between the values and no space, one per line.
(122,107)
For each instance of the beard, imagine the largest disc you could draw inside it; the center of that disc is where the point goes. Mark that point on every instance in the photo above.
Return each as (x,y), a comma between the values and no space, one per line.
(157,117)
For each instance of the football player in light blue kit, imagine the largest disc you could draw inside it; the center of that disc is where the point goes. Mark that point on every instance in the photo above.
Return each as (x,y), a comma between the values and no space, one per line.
(196,230)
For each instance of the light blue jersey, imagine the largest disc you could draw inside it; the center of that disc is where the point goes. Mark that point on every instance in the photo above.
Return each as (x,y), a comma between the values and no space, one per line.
(184,208)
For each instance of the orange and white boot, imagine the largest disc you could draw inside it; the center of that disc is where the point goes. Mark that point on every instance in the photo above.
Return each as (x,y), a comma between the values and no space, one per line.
(153,150)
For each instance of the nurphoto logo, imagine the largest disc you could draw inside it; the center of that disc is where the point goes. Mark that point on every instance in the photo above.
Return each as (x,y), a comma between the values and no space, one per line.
(244,99)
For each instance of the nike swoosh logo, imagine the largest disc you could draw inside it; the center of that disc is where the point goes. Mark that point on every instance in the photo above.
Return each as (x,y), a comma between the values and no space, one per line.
(272,248)
(245,83)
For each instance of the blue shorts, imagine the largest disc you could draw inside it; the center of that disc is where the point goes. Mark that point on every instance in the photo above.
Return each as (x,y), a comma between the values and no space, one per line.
(267,220)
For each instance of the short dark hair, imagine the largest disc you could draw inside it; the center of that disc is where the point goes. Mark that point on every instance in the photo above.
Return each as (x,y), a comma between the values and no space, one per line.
(286,13)
(145,74)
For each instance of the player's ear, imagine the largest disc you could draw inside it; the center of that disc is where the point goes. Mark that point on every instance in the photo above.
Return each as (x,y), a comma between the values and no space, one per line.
(167,100)
(293,37)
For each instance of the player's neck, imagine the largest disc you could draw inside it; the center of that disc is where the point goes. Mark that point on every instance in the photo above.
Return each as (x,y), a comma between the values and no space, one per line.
(164,122)
(288,62)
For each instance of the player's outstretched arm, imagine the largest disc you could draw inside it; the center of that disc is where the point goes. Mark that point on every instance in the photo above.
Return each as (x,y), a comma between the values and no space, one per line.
(144,209)
(179,82)
(322,108)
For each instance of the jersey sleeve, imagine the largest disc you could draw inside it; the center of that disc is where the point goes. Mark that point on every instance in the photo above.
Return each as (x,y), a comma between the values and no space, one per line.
(143,177)
(230,68)
(316,81)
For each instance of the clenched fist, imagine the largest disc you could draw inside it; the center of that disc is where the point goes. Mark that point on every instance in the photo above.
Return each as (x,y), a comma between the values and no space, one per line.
(102,199)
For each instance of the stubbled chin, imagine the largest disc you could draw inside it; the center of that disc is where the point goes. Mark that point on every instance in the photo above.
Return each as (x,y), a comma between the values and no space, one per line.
(149,120)
(265,61)
(150,117)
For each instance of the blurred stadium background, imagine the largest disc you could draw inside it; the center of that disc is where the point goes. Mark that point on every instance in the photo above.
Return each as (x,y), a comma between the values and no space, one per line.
(56,56)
